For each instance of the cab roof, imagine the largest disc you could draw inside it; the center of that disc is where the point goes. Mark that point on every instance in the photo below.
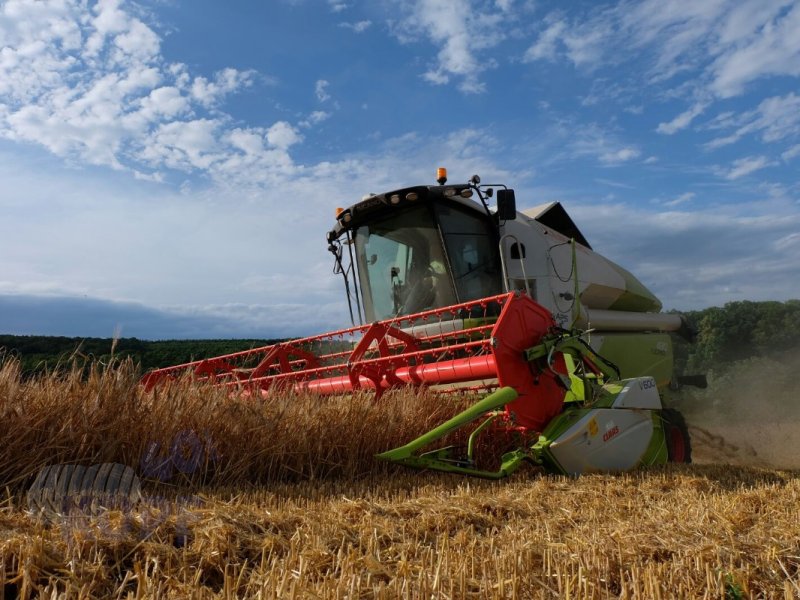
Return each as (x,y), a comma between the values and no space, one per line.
(375,205)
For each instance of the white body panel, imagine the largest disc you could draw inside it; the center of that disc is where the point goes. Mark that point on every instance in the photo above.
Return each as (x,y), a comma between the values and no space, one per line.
(605,439)
(639,392)
(546,264)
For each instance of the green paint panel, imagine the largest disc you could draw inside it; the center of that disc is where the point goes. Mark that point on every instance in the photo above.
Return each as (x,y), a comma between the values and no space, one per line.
(656,453)
(640,354)
(636,296)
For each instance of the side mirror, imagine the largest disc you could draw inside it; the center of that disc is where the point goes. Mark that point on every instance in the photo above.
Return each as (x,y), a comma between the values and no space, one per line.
(506,205)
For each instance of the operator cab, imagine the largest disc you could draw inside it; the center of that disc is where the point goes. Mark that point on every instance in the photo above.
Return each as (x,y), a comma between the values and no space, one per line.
(416,249)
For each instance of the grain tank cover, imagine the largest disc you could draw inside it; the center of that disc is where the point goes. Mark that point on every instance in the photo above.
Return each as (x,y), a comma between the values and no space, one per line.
(554,216)
(604,284)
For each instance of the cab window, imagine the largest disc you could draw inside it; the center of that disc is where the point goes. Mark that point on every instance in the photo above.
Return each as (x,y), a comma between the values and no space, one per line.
(472,251)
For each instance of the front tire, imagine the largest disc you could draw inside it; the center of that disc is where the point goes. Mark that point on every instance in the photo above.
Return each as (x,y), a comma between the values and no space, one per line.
(676,434)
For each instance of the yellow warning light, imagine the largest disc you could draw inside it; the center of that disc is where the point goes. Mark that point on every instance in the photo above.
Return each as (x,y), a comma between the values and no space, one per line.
(339,210)
(441,175)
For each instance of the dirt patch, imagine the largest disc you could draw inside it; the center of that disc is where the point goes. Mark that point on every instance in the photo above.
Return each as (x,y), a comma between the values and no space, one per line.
(773,445)
(748,416)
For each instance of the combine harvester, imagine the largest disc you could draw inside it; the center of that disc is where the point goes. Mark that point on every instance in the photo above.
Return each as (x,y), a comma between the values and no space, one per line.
(449,293)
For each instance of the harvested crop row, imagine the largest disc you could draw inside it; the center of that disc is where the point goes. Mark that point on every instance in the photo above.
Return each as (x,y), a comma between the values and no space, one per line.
(674,532)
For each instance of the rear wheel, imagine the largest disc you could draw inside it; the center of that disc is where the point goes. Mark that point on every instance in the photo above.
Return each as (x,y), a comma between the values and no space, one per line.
(676,434)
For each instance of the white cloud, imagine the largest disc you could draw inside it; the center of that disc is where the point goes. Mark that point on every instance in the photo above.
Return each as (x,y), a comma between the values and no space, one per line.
(772,49)
(137,43)
(787,242)
(338,6)
(676,32)
(545,46)
(613,89)
(682,199)
(774,119)
(619,156)
(282,135)
(720,142)
(183,145)
(89,84)
(682,121)
(249,141)
(315,118)
(595,142)
(745,166)
(166,101)
(718,36)
(615,184)
(131,36)
(154,177)
(436,77)
(321,90)
(581,43)
(726,45)
(447,25)
(357,27)
(225,82)
(791,153)
(461,30)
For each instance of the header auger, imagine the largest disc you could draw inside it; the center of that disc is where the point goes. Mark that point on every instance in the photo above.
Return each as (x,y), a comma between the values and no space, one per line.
(456,296)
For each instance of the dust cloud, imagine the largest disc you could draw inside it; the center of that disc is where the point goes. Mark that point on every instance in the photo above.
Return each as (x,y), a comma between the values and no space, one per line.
(748,416)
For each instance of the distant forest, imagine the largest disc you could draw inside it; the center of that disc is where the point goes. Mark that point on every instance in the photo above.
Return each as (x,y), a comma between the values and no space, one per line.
(725,335)
(40,353)
(736,332)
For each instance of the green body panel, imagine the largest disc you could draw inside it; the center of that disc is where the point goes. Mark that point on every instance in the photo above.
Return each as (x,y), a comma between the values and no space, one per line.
(576,392)
(639,354)
(656,453)
(636,297)
(473,323)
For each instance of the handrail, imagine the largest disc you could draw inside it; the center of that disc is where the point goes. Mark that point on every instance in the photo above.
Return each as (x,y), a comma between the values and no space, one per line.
(521,262)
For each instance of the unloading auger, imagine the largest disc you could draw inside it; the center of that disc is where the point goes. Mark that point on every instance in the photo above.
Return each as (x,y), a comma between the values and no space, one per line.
(454,295)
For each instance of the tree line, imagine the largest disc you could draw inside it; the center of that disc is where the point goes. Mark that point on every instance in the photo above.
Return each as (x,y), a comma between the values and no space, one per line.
(738,331)
(38,354)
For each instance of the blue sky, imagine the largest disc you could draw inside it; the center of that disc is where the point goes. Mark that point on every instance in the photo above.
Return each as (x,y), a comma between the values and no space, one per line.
(172,167)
